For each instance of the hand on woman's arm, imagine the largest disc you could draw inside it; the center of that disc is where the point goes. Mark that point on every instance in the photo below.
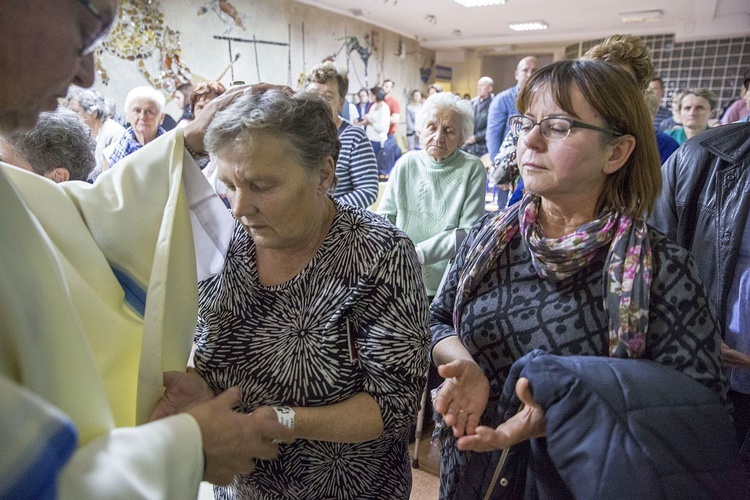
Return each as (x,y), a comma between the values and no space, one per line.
(528,423)
(232,440)
(462,398)
(354,420)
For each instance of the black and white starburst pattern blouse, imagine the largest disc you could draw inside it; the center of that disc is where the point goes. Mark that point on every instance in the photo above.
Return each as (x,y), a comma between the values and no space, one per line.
(353,320)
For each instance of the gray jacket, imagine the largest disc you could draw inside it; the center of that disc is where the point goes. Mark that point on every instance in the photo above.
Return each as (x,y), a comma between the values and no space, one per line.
(705,201)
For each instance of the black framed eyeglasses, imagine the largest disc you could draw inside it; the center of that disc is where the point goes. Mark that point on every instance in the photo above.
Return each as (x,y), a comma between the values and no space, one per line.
(93,42)
(553,128)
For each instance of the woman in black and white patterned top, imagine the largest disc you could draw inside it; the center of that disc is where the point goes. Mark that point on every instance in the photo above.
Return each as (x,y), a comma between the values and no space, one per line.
(319,314)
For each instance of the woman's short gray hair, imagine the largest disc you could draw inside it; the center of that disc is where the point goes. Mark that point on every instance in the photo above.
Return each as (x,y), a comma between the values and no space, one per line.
(92,102)
(60,139)
(448,100)
(302,121)
(707,94)
(147,93)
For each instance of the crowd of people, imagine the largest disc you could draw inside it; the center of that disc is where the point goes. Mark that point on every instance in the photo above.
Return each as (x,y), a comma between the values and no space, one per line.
(227,299)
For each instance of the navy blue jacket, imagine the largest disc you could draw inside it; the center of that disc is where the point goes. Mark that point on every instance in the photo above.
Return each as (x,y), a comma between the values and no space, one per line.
(620,428)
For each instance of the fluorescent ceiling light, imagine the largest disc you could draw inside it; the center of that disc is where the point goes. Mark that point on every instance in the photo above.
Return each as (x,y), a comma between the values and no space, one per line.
(479,3)
(642,16)
(528,26)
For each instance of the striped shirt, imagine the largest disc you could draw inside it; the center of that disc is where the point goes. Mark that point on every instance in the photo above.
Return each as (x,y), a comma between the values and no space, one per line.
(356,168)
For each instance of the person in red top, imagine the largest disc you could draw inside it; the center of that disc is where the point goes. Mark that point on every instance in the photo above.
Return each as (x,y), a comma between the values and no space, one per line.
(391,151)
(394,106)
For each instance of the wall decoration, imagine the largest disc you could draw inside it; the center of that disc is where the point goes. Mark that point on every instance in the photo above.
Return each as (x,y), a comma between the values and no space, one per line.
(426,70)
(233,57)
(352,45)
(99,66)
(227,12)
(140,34)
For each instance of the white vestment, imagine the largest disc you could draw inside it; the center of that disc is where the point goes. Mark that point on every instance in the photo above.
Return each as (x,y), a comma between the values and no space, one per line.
(98,297)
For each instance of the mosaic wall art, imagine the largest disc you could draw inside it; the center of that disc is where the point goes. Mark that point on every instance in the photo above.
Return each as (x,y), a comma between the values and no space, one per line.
(141,35)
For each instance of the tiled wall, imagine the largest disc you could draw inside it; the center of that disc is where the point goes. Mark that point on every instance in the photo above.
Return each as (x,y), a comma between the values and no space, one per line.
(717,64)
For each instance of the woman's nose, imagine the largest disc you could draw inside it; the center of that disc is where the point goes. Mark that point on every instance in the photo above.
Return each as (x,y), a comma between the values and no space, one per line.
(241,203)
(534,138)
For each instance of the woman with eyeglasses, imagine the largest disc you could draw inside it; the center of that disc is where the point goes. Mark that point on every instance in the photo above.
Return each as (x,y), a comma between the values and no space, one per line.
(572,269)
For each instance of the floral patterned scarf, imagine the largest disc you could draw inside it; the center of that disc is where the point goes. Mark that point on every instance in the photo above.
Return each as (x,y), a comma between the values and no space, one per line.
(627,271)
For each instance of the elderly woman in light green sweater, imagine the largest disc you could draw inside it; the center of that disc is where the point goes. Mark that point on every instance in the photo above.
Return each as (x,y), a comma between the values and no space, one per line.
(438,190)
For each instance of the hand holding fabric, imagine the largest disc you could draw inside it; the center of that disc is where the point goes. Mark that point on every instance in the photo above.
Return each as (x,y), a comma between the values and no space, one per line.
(462,398)
(232,440)
(528,423)
(183,390)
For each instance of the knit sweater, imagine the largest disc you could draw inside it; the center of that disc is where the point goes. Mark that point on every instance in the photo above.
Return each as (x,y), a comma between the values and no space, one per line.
(430,200)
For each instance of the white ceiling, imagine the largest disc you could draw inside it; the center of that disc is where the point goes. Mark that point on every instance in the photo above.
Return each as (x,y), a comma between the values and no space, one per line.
(486,28)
